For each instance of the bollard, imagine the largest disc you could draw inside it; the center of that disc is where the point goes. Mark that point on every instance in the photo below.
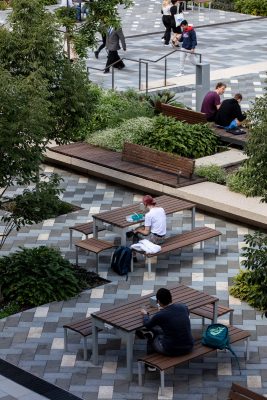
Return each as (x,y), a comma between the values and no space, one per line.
(202,83)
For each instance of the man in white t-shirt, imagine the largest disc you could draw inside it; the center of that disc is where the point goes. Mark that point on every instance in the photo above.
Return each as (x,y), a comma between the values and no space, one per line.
(154,228)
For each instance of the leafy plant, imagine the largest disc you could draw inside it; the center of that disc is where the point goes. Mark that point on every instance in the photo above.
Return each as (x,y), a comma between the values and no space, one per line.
(131,130)
(36,276)
(213,173)
(253,7)
(226,5)
(251,285)
(242,181)
(187,140)
(114,108)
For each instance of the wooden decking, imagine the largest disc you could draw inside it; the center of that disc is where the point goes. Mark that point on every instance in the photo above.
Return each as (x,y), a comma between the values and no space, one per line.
(113,160)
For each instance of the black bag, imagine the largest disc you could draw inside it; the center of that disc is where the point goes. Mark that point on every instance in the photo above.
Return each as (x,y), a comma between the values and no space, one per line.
(121,260)
(236,131)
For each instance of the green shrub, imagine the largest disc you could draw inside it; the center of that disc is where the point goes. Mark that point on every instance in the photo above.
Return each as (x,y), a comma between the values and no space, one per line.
(213,173)
(251,285)
(9,309)
(3,5)
(36,276)
(253,7)
(241,182)
(132,130)
(225,5)
(113,108)
(48,2)
(181,138)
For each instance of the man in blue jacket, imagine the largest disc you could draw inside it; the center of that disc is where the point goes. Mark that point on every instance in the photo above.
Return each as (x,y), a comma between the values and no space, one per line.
(189,42)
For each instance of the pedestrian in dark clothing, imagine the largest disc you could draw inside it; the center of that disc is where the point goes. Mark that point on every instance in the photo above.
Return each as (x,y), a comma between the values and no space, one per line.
(166,19)
(177,31)
(169,330)
(229,114)
(114,37)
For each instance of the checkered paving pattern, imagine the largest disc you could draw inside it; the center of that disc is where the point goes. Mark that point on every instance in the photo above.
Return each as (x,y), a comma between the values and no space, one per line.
(33,340)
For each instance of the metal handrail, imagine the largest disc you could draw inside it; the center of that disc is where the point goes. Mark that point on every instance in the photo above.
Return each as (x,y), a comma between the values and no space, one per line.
(140,62)
(165,63)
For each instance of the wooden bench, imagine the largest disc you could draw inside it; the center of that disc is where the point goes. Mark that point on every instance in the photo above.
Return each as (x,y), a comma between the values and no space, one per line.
(195,117)
(86,229)
(84,328)
(181,240)
(92,245)
(160,160)
(238,392)
(162,363)
(207,312)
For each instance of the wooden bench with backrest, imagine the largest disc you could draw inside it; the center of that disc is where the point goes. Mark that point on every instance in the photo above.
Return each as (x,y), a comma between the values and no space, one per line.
(162,362)
(238,392)
(181,240)
(86,229)
(171,163)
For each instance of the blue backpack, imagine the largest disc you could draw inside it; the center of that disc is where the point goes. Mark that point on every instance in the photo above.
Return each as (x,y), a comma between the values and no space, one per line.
(217,337)
(121,260)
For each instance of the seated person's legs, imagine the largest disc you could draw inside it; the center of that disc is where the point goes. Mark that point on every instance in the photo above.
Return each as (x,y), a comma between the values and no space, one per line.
(234,124)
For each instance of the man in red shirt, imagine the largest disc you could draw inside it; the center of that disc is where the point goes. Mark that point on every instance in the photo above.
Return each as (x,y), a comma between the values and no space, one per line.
(211,102)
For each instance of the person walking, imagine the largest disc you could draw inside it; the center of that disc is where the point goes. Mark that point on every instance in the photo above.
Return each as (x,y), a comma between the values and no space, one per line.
(176,8)
(211,102)
(189,43)
(102,46)
(113,39)
(166,20)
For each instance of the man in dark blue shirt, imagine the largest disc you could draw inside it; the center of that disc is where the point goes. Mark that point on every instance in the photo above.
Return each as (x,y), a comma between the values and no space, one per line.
(170,328)
(189,43)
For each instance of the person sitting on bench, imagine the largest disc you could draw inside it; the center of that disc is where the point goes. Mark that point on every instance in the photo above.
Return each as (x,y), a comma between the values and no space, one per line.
(169,330)
(229,115)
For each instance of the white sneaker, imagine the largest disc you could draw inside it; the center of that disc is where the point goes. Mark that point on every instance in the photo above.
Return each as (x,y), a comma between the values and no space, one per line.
(180,74)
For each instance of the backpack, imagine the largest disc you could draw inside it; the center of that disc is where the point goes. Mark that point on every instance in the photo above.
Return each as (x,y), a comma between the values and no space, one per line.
(217,337)
(121,260)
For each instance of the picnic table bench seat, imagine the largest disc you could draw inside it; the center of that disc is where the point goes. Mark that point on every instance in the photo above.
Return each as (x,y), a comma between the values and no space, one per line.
(207,312)
(92,245)
(181,240)
(238,392)
(85,228)
(162,362)
(84,328)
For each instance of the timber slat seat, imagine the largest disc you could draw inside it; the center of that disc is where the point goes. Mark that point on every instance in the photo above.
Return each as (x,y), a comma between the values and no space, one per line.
(84,328)
(86,229)
(195,117)
(92,245)
(181,240)
(238,392)
(207,312)
(171,163)
(162,362)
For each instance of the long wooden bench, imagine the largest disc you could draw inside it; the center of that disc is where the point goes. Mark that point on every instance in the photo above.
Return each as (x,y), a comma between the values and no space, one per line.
(162,363)
(160,160)
(238,392)
(181,240)
(86,229)
(195,117)
(92,245)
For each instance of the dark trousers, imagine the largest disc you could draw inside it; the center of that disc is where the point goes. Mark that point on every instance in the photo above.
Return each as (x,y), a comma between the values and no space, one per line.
(155,344)
(113,56)
(166,19)
(103,45)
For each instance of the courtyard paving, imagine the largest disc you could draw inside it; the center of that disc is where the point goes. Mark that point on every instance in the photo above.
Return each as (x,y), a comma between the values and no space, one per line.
(33,340)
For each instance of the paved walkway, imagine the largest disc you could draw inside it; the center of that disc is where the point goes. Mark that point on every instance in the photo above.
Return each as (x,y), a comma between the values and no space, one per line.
(33,340)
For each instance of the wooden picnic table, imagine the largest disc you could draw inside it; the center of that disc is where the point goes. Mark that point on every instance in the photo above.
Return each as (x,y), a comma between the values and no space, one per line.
(117,217)
(126,318)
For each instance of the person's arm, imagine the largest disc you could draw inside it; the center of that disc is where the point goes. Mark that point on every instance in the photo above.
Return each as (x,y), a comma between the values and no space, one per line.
(240,116)
(145,230)
(194,41)
(149,322)
(122,38)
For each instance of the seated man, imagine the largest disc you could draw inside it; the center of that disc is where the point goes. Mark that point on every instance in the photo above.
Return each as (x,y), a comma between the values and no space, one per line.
(211,102)
(230,116)
(169,330)
(155,222)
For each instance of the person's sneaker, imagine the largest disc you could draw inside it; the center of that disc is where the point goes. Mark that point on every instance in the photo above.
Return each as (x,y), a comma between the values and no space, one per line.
(151,369)
(167,44)
(106,71)
(163,40)
(143,333)
(180,74)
